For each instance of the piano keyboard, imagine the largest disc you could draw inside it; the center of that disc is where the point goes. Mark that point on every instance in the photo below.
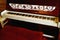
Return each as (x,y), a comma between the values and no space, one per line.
(33,18)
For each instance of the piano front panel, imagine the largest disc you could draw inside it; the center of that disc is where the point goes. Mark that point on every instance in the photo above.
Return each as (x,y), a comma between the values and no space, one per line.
(36,2)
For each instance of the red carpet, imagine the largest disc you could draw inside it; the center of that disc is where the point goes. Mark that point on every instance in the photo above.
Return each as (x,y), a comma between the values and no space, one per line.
(59,36)
(16,33)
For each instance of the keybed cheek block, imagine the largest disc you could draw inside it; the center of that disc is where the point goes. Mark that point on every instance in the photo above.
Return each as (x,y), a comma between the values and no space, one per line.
(3,22)
(34,18)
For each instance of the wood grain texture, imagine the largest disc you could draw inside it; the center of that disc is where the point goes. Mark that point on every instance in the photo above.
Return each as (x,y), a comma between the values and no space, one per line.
(2,5)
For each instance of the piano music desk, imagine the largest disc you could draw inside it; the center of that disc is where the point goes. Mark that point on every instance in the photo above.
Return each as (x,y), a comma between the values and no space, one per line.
(3,21)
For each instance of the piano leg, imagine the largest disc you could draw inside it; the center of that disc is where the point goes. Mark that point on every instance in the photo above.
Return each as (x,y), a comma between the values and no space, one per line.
(3,21)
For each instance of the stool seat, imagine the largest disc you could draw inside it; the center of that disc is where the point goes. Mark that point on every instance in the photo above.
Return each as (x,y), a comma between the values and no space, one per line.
(3,21)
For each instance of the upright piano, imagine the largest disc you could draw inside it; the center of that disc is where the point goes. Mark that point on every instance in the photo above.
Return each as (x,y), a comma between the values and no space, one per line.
(37,15)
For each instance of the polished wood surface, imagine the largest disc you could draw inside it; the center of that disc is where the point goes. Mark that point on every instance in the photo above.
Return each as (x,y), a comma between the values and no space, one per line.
(2,5)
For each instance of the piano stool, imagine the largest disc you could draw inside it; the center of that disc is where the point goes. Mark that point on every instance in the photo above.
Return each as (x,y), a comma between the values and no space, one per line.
(3,21)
